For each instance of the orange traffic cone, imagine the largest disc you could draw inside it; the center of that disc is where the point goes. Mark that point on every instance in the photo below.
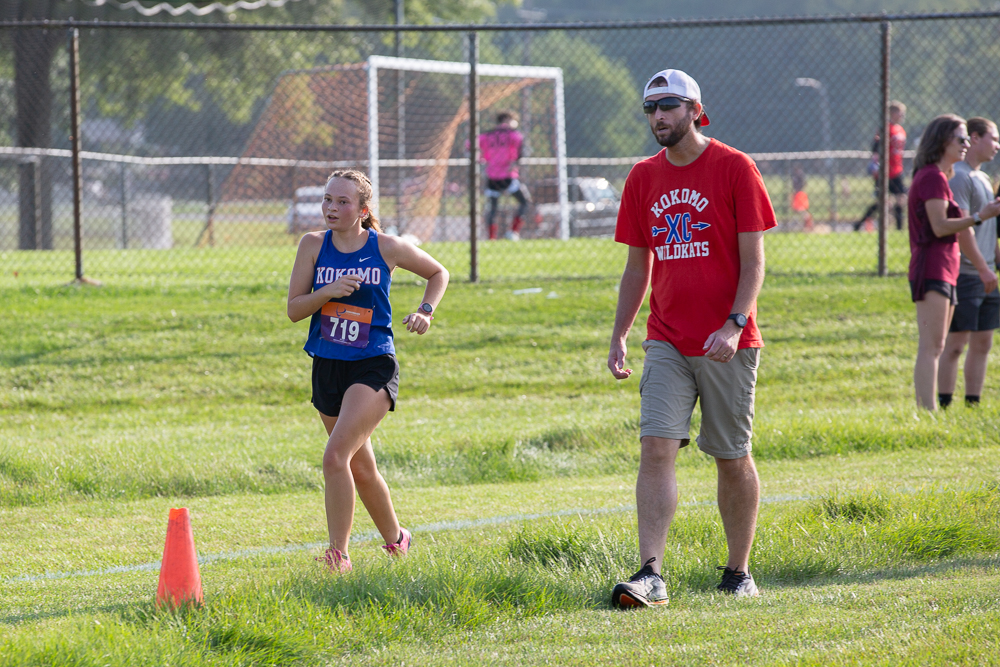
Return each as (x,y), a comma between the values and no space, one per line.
(180,580)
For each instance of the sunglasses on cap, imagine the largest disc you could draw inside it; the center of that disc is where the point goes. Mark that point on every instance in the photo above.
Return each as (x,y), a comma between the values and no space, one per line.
(664,103)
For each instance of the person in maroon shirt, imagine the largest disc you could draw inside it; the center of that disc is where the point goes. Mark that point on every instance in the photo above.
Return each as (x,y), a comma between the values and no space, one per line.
(935,221)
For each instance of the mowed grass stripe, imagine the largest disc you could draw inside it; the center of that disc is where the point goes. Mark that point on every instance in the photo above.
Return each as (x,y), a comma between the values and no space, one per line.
(128,393)
(361,538)
(814,561)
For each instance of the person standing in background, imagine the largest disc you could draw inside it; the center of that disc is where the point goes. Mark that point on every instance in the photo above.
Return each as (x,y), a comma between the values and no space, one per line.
(897,144)
(977,314)
(501,149)
(935,222)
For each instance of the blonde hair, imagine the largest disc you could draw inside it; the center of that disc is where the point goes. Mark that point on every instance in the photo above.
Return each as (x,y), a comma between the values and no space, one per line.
(365,194)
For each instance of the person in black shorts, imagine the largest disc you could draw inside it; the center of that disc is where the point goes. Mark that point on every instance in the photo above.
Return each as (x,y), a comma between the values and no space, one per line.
(897,144)
(500,149)
(977,314)
(341,280)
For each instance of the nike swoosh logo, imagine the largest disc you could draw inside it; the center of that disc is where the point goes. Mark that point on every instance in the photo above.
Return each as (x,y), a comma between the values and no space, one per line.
(364,260)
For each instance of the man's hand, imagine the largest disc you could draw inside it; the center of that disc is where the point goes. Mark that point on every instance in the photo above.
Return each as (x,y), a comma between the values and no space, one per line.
(721,345)
(989,279)
(616,360)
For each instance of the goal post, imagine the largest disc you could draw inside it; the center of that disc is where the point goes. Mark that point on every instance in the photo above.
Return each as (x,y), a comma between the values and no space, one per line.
(521,77)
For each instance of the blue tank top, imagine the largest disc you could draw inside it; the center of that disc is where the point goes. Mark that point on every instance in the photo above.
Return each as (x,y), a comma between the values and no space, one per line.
(356,326)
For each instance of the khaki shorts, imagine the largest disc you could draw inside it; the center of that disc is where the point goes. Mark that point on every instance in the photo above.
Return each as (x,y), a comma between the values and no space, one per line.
(671,385)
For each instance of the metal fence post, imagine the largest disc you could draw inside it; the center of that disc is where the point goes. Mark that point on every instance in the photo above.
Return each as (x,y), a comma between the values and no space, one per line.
(123,194)
(883,150)
(74,113)
(209,227)
(473,155)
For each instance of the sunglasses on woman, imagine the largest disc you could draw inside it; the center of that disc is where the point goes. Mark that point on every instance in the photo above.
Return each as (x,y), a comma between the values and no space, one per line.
(964,141)
(665,104)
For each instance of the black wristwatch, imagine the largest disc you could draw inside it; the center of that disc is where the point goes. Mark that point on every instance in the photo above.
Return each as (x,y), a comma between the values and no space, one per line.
(426,308)
(739,318)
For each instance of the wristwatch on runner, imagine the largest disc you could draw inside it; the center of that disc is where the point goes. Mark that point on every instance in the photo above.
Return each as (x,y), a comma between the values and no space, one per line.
(739,318)
(426,308)
(978,218)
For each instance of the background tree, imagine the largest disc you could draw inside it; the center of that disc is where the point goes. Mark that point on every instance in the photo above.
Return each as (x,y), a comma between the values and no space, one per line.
(128,73)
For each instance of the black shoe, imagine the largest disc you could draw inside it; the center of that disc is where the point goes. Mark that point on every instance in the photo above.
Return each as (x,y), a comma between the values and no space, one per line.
(739,584)
(644,589)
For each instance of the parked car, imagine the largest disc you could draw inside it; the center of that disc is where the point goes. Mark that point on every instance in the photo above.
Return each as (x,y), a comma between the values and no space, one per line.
(306,212)
(593,207)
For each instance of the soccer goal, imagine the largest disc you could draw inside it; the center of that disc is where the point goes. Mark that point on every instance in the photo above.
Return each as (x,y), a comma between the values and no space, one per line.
(418,140)
(406,122)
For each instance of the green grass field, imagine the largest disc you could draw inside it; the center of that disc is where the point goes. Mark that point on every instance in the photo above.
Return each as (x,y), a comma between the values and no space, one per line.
(262,254)
(512,454)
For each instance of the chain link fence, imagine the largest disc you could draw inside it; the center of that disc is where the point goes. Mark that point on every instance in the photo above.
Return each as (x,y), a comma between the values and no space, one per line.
(203,149)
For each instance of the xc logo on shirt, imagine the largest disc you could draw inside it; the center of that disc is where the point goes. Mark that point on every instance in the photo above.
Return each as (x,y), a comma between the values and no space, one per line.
(676,229)
(679,228)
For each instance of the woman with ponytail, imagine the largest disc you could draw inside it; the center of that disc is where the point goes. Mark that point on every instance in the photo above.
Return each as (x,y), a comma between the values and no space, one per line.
(341,280)
(935,220)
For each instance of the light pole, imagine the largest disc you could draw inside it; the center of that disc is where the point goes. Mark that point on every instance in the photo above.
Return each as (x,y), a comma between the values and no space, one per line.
(824,111)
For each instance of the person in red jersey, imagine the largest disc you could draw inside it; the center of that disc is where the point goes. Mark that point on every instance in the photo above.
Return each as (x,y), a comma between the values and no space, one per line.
(897,144)
(935,222)
(693,217)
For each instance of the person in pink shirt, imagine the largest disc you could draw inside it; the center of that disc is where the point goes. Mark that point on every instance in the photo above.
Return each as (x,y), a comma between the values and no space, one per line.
(500,149)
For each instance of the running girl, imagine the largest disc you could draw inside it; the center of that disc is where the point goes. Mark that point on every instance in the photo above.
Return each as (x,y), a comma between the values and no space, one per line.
(341,280)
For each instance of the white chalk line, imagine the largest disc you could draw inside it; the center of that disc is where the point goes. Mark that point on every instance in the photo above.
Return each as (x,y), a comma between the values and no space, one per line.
(367,537)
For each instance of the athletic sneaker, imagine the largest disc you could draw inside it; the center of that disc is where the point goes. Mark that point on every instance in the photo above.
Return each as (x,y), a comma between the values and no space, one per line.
(644,589)
(512,236)
(738,583)
(402,546)
(336,560)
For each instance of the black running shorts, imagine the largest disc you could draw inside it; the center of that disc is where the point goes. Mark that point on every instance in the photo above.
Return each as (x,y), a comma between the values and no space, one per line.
(332,377)
(976,310)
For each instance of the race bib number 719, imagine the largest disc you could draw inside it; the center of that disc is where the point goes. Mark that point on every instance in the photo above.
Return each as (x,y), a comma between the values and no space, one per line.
(345,325)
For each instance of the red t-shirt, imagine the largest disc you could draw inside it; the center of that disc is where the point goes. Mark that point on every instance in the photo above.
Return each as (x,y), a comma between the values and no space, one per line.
(690,216)
(931,257)
(897,144)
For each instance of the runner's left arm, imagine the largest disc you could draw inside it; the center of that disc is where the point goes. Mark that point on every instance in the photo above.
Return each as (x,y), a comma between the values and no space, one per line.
(405,255)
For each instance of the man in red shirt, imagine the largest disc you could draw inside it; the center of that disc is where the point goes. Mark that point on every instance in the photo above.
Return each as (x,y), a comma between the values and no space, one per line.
(693,217)
(897,144)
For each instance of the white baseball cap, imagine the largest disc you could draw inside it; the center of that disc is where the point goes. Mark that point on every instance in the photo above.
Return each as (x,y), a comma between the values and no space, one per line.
(678,84)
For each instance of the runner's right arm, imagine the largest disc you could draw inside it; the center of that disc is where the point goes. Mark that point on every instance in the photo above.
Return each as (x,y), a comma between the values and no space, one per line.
(302,300)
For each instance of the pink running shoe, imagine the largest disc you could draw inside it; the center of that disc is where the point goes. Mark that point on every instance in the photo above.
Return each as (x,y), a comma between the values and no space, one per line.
(336,560)
(402,546)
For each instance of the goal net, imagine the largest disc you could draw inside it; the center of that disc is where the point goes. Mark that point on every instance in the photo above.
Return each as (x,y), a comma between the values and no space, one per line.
(405,122)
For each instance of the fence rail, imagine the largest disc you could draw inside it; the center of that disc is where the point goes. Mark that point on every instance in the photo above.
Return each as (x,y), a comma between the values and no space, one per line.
(202,155)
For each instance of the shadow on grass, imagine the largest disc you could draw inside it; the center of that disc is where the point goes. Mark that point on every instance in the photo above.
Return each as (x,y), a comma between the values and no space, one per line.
(791,578)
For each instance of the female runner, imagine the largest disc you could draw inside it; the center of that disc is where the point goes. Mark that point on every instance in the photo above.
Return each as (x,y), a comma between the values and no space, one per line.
(341,280)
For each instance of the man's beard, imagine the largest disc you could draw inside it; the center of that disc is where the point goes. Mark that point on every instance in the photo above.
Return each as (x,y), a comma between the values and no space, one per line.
(677,132)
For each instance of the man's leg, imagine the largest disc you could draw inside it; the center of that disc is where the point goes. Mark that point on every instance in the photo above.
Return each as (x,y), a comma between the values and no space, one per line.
(522,210)
(954,345)
(491,213)
(656,496)
(898,210)
(980,343)
(739,497)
